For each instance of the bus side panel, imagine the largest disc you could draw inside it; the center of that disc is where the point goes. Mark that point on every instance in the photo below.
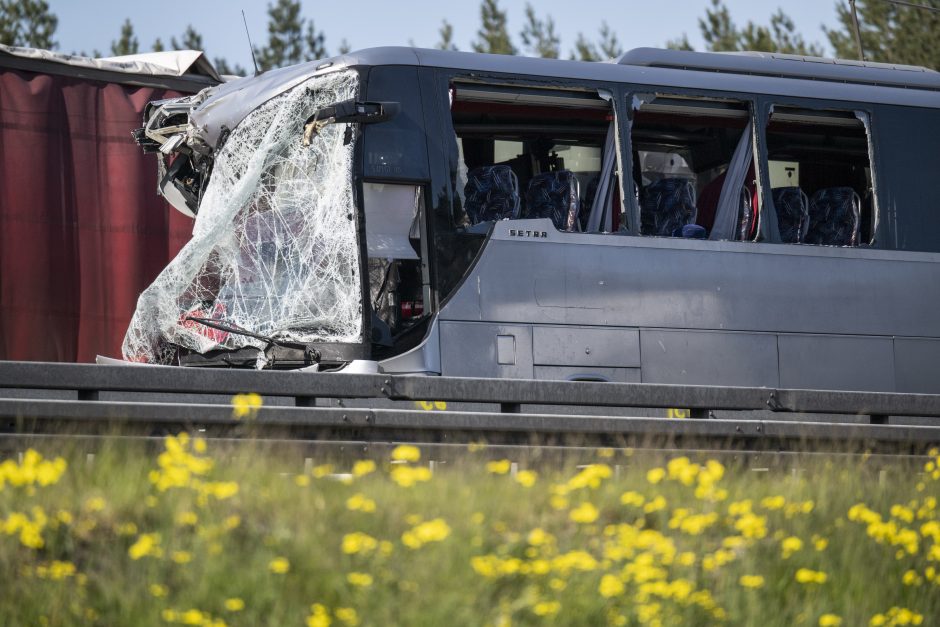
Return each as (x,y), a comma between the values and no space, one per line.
(917,365)
(753,295)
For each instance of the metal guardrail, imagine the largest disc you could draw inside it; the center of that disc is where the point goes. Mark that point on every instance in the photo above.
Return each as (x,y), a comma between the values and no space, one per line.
(35,409)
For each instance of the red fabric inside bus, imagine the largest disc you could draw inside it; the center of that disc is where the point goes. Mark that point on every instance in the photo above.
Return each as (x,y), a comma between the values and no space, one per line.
(82,230)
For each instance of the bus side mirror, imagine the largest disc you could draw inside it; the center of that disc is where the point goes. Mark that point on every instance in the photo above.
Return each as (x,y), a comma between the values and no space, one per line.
(348,111)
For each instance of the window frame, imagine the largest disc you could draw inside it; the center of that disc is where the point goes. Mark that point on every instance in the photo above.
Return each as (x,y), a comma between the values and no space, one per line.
(767,105)
(634,90)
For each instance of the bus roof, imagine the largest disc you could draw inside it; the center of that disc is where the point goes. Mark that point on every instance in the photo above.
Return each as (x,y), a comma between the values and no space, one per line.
(749,73)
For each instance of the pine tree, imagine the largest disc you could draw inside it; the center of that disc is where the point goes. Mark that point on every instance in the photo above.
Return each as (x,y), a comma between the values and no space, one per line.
(608,47)
(128,43)
(291,38)
(493,37)
(285,36)
(222,67)
(890,33)
(682,43)
(158,45)
(315,43)
(192,40)
(721,34)
(344,47)
(539,36)
(584,50)
(447,36)
(27,23)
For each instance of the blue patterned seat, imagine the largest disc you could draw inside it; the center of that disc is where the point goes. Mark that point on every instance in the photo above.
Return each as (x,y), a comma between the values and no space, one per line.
(667,205)
(554,195)
(792,208)
(834,217)
(492,193)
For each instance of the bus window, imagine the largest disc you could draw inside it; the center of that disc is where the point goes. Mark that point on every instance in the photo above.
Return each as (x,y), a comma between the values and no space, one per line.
(532,154)
(393,239)
(693,171)
(820,177)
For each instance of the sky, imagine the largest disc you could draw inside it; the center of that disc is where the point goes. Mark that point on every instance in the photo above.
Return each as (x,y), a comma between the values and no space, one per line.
(85,25)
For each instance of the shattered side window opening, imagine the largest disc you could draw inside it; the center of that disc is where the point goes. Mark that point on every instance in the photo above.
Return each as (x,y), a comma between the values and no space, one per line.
(275,248)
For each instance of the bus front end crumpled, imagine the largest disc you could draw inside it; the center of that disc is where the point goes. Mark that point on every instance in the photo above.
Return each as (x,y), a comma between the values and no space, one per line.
(272,268)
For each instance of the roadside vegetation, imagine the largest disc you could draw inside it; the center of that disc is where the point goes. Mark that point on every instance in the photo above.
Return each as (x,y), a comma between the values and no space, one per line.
(192,532)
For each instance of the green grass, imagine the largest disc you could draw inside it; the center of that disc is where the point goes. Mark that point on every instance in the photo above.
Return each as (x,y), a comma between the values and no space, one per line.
(480,564)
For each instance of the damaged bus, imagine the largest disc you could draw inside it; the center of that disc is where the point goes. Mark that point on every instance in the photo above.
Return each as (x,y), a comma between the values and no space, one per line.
(742,219)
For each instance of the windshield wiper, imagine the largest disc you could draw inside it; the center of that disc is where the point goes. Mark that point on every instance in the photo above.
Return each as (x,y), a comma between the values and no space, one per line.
(308,350)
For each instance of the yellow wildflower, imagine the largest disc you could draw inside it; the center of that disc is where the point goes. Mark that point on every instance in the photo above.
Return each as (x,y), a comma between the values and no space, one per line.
(805,575)
(358,542)
(187,519)
(431,531)
(500,467)
(526,478)
(234,604)
(95,504)
(407,476)
(321,471)
(362,580)
(302,480)
(319,616)
(790,545)
(546,608)
(773,502)
(584,513)
(246,405)
(181,557)
(632,498)
(406,453)
(610,586)
(360,503)
(279,565)
(655,475)
(538,537)
(146,544)
(829,620)
(158,590)
(363,467)
(751,581)
(348,616)
(911,578)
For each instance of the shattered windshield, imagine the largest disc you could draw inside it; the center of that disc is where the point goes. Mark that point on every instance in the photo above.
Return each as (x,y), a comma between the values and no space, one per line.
(275,248)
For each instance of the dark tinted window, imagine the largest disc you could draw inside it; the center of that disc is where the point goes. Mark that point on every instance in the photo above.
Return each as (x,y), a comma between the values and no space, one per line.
(396,149)
(906,141)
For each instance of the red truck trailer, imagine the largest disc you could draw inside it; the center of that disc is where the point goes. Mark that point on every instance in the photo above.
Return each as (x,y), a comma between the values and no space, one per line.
(82,229)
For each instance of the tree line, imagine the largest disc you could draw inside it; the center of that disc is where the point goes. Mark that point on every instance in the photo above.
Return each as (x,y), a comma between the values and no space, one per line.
(892,33)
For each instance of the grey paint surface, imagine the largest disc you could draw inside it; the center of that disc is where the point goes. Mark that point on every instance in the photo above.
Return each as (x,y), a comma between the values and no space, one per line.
(917,365)
(821,362)
(612,280)
(709,357)
(470,350)
(707,313)
(572,346)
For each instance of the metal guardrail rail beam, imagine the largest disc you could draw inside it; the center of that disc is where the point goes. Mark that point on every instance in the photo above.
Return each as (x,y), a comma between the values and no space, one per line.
(322,423)
(89,380)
